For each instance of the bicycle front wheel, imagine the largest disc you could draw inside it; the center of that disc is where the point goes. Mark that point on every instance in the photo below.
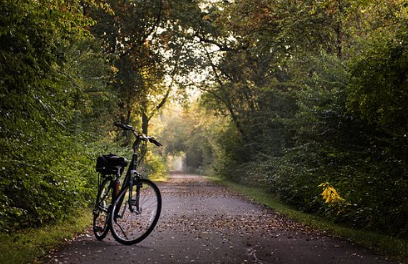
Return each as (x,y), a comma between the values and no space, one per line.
(101,211)
(136,212)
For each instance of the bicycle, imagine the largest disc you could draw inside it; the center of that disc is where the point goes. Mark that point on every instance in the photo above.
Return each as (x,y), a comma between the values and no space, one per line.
(130,209)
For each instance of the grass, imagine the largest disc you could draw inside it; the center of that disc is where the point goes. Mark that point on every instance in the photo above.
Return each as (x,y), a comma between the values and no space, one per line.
(28,245)
(386,245)
(31,244)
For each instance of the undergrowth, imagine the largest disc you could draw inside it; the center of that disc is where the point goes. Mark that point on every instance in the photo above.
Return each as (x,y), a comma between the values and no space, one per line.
(382,243)
(28,245)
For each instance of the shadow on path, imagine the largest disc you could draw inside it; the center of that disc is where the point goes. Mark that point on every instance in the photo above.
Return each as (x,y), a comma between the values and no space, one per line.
(202,222)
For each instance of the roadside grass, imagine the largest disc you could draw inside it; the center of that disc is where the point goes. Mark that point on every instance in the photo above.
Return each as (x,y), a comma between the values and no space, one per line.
(384,244)
(28,245)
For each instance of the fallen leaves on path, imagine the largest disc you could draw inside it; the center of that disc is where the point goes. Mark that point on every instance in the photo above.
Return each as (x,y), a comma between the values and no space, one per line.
(214,209)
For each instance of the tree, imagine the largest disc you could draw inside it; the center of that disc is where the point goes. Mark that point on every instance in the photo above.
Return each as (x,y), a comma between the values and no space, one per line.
(280,71)
(147,42)
(378,88)
(40,42)
(190,132)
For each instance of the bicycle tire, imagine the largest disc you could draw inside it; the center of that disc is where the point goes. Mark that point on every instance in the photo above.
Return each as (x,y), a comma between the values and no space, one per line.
(101,212)
(130,227)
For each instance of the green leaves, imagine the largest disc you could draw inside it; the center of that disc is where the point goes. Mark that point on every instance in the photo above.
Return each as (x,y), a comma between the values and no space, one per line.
(313,91)
(317,93)
(378,88)
(41,95)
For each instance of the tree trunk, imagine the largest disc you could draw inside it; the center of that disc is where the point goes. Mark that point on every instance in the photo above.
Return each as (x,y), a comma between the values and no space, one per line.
(145,123)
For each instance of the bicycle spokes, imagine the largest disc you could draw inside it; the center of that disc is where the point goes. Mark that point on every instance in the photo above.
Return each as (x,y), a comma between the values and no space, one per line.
(101,210)
(139,211)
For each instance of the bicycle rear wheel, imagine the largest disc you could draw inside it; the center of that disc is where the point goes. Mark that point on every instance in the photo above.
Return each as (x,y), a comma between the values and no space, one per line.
(137,210)
(101,211)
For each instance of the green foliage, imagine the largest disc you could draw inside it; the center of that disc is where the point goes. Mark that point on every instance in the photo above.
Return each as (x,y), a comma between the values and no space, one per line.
(379,81)
(303,93)
(45,183)
(333,145)
(146,42)
(30,245)
(48,67)
(189,133)
(154,166)
(384,243)
(377,95)
(316,93)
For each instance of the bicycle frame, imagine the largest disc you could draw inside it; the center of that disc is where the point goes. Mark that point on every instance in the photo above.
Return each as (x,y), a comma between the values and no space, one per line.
(132,172)
(128,201)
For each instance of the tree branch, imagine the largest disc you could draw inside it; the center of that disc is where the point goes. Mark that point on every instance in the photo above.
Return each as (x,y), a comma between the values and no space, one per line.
(166,96)
(226,99)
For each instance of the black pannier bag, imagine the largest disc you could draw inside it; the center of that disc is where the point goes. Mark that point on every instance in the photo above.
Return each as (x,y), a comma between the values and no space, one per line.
(109,164)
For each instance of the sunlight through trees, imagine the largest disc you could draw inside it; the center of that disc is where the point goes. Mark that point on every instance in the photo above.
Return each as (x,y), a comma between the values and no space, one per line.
(289,94)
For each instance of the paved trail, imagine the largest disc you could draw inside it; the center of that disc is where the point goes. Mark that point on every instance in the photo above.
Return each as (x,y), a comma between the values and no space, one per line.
(205,223)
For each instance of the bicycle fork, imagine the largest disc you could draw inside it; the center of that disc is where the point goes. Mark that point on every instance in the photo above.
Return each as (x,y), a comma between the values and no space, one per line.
(134,205)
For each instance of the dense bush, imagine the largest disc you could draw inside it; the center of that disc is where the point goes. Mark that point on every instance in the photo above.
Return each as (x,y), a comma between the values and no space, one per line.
(316,93)
(334,145)
(48,68)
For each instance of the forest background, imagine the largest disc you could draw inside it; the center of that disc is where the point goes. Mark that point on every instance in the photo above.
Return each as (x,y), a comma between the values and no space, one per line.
(307,98)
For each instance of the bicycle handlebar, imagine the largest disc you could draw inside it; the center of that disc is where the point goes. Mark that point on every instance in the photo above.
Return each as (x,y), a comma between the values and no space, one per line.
(124,127)
(142,137)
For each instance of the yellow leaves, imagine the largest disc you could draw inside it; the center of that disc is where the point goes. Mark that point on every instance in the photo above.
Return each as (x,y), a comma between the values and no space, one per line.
(330,195)
(333,199)
(114,69)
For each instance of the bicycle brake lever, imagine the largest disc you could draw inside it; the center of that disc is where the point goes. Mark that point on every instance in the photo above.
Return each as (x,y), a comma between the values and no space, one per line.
(154,141)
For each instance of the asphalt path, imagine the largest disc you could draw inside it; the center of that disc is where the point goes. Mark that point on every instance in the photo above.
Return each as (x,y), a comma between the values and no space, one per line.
(202,222)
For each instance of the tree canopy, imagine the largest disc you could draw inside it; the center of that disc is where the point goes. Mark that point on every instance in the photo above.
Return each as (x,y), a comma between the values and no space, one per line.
(305,97)
(315,90)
